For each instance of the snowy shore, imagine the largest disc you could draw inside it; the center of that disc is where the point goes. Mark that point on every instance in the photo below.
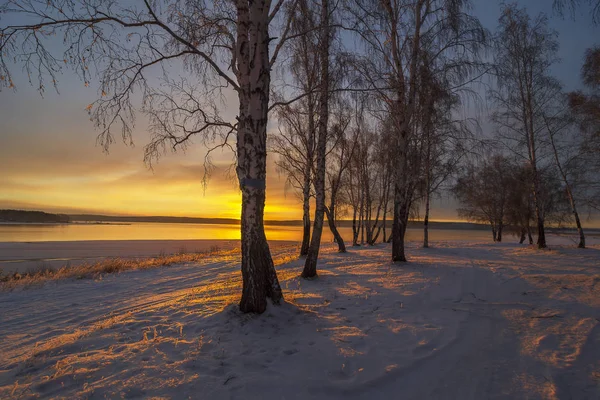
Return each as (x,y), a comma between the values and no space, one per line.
(23,256)
(460,321)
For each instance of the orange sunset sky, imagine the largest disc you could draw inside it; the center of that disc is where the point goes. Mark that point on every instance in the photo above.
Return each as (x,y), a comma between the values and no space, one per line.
(49,159)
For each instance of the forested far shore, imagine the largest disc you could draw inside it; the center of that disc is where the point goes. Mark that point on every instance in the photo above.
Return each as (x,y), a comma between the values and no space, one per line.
(231,221)
(25,216)
(33,217)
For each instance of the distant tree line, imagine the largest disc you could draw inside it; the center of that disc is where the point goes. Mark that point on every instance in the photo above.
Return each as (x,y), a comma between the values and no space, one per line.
(32,217)
(498,192)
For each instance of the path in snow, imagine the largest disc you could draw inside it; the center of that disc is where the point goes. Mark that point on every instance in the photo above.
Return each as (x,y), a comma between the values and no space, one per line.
(462,320)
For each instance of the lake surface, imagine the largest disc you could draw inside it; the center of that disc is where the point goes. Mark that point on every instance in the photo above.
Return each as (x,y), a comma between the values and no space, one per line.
(26,247)
(174,231)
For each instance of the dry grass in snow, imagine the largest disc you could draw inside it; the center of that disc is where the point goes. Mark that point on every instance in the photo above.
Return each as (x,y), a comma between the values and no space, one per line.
(109,266)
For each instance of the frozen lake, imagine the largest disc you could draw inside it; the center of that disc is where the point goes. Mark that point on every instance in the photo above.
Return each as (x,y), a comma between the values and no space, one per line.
(181,231)
(24,247)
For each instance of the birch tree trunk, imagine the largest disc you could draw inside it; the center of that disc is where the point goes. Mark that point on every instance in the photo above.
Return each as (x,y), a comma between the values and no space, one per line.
(569,191)
(399,230)
(522,238)
(376,224)
(426,219)
(427,193)
(368,201)
(499,233)
(402,192)
(253,72)
(385,210)
(385,225)
(354,228)
(330,212)
(537,198)
(581,244)
(362,222)
(400,203)
(428,125)
(361,214)
(309,156)
(308,173)
(310,266)
(305,215)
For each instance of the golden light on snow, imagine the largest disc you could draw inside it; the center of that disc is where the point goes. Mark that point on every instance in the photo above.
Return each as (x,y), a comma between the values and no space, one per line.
(362,320)
(537,387)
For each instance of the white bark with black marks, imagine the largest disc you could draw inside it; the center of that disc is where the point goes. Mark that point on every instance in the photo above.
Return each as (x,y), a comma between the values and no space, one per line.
(310,265)
(253,72)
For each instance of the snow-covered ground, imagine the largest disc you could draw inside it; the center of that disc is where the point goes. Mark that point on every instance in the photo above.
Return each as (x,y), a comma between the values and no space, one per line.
(23,256)
(460,321)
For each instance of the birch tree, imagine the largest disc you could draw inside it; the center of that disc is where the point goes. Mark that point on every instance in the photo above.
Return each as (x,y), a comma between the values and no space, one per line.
(585,108)
(566,155)
(295,147)
(445,140)
(310,265)
(519,207)
(338,159)
(483,192)
(354,184)
(223,45)
(296,143)
(525,49)
(585,105)
(395,33)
